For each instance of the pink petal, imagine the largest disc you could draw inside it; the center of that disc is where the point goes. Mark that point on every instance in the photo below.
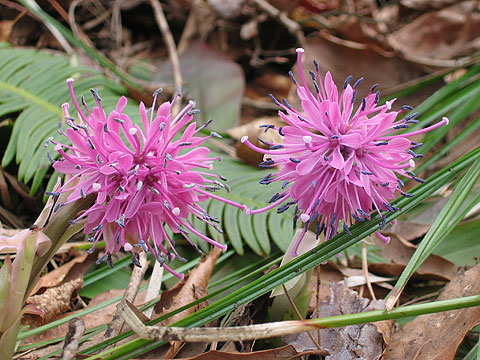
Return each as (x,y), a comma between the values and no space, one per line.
(337,160)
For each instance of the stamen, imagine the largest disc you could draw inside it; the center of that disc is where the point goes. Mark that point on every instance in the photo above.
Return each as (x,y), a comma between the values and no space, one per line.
(275,101)
(347,81)
(357,83)
(292,77)
(50,158)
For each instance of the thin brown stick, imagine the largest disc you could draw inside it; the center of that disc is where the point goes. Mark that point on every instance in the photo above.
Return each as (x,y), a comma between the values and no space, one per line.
(365,271)
(294,307)
(61,11)
(317,302)
(172,50)
(76,328)
(292,26)
(210,334)
(131,291)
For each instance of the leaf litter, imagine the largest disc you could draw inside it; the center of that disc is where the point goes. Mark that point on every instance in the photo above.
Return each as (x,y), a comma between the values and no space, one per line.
(438,335)
(381,49)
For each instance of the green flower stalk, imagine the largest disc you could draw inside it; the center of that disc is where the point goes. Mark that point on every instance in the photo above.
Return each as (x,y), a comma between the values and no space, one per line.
(14,280)
(34,248)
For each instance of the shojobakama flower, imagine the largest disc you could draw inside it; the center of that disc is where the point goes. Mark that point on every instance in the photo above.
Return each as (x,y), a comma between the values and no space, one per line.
(337,163)
(144,178)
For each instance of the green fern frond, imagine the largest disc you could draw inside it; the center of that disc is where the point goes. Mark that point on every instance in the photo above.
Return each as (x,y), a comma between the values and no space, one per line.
(32,85)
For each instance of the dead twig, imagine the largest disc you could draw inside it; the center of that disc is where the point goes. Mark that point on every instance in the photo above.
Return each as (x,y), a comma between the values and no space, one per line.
(131,291)
(209,334)
(292,26)
(154,286)
(294,307)
(365,271)
(172,50)
(76,328)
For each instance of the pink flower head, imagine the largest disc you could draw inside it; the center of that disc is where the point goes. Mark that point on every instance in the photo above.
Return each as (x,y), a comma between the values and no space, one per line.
(144,179)
(337,163)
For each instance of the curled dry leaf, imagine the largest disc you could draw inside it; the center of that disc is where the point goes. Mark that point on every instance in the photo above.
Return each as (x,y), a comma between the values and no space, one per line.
(52,302)
(191,288)
(363,341)
(397,253)
(437,336)
(58,275)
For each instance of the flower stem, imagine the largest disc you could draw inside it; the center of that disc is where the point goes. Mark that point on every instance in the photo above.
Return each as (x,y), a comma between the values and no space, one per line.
(56,229)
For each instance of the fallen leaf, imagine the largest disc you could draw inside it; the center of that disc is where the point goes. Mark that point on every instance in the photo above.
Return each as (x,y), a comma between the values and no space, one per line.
(56,276)
(319,286)
(54,301)
(440,35)
(363,341)
(437,336)
(398,255)
(388,72)
(191,288)
(99,317)
(409,230)
(426,4)
(211,79)
(285,352)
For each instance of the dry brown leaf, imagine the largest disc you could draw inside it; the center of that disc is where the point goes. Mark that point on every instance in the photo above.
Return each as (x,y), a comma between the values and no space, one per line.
(398,254)
(54,301)
(363,341)
(440,35)
(191,288)
(99,317)
(426,4)
(343,61)
(325,274)
(285,352)
(409,230)
(58,275)
(437,336)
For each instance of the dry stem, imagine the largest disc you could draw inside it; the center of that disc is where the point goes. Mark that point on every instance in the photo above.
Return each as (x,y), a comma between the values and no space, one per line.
(172,50)
(210,334)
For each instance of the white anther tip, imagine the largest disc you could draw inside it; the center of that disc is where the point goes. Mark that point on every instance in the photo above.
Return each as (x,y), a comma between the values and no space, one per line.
(300,50)
(307,139)
(243,139)
(132,131)
(127,247)
(389,105)
(445,119)
(176,211)
(96,186)
(305,217)
(248,211)
(411,163)
(70,80)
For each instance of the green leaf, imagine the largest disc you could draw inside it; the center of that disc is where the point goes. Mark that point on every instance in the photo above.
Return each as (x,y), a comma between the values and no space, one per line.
(442,226)
(462,246)
(117,280)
